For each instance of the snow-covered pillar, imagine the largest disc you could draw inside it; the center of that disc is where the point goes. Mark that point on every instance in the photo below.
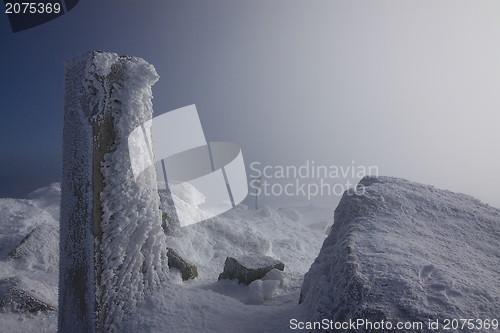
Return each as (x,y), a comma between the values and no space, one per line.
(112,246)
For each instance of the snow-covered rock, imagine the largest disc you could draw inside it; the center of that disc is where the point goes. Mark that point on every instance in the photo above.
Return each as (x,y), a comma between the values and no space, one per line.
(188,193)
(6,284)
(14,298)
(321,226)
(407,252)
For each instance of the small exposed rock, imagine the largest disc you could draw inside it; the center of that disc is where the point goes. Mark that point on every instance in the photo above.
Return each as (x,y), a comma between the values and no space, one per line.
(249,268)
(188,270)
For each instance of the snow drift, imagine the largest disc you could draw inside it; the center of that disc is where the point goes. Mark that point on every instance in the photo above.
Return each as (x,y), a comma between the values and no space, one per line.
(406,252)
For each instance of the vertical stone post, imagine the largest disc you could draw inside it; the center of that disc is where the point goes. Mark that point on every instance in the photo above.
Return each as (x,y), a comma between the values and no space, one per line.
(112,246)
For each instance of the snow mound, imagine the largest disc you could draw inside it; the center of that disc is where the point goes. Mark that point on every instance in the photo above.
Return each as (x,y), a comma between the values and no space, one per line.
(404,251)
(260,290)
(187,193)
(267,211)
(39,249)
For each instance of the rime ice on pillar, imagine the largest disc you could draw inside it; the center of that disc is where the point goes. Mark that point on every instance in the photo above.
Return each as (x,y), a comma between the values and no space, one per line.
(112,245)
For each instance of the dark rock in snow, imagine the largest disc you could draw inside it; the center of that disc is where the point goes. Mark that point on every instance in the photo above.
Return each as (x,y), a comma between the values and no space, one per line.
(188,270)
(406,252)
(249,268)
(18,300)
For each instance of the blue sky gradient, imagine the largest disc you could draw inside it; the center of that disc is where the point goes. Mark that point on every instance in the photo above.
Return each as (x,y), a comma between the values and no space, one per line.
(409,86)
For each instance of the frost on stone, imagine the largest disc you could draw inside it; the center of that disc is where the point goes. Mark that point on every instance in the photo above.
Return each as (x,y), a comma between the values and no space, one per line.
(133,252)
(119,242)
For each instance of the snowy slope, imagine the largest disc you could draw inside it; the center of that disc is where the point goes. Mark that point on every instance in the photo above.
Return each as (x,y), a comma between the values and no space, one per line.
(408,252)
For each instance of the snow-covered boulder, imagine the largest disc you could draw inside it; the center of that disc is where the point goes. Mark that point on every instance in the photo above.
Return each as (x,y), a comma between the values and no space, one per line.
(407,252)
(248,268)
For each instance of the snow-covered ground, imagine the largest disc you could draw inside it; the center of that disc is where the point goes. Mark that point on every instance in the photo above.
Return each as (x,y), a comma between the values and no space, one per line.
(292,235)
(409,251)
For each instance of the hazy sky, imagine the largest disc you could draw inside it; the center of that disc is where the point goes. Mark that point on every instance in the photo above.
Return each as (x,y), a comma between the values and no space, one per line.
(412,87)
